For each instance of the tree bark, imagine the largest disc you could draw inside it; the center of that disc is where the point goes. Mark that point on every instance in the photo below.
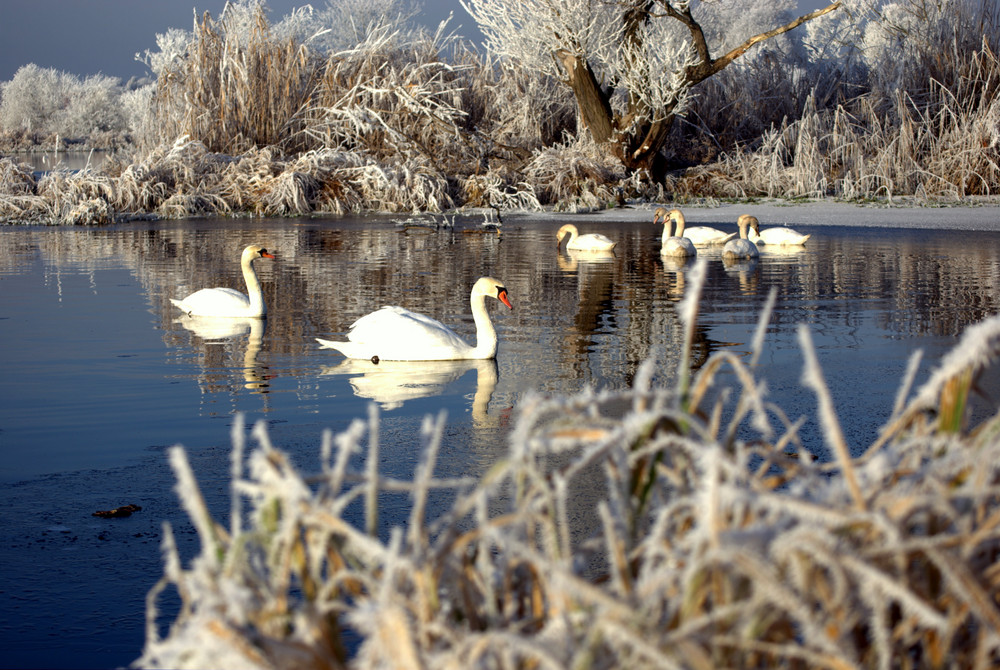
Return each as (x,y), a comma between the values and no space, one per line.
(634,141)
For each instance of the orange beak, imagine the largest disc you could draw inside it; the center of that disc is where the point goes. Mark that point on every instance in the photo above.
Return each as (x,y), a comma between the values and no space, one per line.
(502,297)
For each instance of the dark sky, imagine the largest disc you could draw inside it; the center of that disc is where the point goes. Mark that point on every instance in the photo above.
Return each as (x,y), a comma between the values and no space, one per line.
(87,37)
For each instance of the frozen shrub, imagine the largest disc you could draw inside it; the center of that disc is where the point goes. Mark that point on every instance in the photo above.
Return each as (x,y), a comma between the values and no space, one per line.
(50,103)
(577,175)
(94,107)
(33,99)
(647,527)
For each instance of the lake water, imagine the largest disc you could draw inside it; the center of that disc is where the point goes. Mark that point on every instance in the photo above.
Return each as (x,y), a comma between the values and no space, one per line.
(102,374)
(47,161)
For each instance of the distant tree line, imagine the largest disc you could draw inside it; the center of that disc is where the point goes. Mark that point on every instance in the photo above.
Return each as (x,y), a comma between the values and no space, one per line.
(568,102)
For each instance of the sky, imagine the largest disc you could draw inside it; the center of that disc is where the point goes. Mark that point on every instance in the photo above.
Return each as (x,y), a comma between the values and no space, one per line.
(86,37)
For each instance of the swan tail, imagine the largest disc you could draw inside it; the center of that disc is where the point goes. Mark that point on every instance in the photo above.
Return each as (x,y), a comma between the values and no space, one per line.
(181,306)
(330,344)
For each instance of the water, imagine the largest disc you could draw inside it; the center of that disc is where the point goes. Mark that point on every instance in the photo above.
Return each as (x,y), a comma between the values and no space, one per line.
(101,373)
(47,161)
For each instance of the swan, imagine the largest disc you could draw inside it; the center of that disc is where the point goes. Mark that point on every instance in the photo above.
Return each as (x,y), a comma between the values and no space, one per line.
(227,302)
(676,246)
(741,247)
(699,235)
(397,334)
(779,236)
(588,242)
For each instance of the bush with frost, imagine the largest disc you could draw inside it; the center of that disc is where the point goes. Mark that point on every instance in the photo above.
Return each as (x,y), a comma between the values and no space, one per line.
(672,527)
(34,98)
(47,102)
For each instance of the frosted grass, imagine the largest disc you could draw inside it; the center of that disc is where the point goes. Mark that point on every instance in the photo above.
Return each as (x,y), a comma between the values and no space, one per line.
(715,540)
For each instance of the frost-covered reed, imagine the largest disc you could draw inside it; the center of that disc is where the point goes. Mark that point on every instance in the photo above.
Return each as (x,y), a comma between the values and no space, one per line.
(652,527)
(250,118)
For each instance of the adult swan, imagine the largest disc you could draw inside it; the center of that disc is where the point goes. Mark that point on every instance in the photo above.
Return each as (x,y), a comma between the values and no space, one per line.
(229,302)
(586,242)
(397,334)
(673,243)
(699,235)
(741,248)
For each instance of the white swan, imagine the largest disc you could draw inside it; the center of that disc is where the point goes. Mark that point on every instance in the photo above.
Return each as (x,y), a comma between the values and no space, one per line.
(229,302)
(699,235)
(397,334)
(779,236)
(588,242)
(673,243)
(741,247)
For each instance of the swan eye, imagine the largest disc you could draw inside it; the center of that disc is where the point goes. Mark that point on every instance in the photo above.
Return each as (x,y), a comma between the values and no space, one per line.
(263,252)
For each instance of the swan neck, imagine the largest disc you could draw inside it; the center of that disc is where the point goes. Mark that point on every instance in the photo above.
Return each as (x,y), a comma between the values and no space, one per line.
(742,223)
(668,230)
(486,335)
(253,286)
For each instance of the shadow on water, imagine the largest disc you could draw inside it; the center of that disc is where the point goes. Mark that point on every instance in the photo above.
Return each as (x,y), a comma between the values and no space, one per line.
(104,373)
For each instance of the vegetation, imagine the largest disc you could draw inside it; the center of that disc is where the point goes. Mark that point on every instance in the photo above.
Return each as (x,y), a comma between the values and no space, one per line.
(346,109)
(643,528)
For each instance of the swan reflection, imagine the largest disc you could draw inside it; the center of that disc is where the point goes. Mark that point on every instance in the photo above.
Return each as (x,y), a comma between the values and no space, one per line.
(212,329)
(391,383)
(570,259)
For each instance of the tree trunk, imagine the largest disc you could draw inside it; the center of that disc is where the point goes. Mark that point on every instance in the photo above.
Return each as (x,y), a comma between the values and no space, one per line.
(638,146)
(590,99)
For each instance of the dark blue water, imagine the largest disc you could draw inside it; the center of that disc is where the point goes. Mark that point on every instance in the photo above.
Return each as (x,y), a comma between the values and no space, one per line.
(101,374)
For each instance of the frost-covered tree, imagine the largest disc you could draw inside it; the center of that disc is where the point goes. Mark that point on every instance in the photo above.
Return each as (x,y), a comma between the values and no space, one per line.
(631,64)
(33,98)
(49,102)
(343,24)
(94,106)
(172,48)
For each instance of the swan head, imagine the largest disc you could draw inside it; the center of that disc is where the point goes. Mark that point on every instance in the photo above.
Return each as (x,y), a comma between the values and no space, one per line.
(493,288)
(255,251)
(566,229)
(662,214)
(748,221)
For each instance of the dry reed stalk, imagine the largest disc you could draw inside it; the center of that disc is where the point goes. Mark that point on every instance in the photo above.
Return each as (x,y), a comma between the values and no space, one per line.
(686,547)
(234,91)
(575,176)
(938,143)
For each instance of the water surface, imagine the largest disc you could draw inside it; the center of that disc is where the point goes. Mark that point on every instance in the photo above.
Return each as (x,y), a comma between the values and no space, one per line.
(102,373)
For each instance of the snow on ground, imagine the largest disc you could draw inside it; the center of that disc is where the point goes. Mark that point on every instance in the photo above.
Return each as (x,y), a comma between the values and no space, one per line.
(981,214)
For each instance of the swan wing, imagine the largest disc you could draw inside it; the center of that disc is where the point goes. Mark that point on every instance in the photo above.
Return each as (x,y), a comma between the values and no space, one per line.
(397,334)
(782,235)
(215,302)
(678,246)
(706,235)
(592,242)
(740,248)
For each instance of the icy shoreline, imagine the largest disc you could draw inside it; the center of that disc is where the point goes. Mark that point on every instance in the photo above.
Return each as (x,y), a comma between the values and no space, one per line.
(975,215)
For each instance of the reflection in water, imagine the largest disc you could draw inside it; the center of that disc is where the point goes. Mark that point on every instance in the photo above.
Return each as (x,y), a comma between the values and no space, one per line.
(746,272)
(391,383)
(215,333)
(88,308)
(571,259)
(581,319)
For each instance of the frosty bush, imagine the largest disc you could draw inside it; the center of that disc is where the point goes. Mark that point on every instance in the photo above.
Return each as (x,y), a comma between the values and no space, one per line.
(33,99)
(651,527)
(48,102)
(94,107)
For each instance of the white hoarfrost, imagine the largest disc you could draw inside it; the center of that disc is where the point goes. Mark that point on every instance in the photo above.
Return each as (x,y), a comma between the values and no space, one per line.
(637,528)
